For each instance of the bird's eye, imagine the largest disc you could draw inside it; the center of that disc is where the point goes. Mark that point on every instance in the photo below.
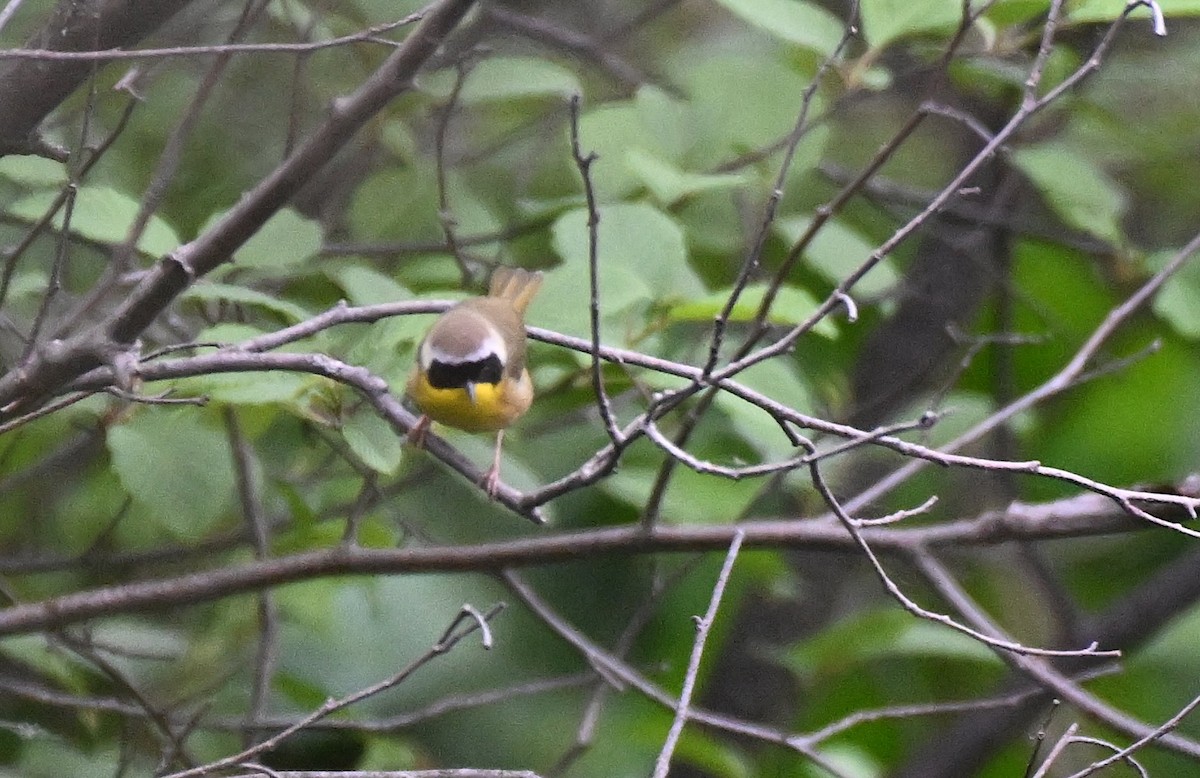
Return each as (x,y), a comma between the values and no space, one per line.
(456,375)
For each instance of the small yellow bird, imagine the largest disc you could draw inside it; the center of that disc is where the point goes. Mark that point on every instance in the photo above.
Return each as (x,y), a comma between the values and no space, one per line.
(470,371)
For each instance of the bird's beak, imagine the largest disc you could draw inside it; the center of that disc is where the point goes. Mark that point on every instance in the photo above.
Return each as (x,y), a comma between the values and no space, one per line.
(470,387)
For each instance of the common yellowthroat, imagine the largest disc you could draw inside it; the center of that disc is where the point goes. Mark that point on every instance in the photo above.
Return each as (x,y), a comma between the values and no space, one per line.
(470,371)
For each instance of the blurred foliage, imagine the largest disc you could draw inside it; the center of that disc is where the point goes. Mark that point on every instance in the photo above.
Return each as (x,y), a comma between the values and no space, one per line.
(689,111)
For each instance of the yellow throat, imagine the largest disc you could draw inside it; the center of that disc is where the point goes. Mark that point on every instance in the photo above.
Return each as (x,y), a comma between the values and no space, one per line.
(495,405)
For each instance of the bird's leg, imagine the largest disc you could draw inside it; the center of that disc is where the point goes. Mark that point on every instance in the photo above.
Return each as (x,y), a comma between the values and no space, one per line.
(491,479)
(416,435)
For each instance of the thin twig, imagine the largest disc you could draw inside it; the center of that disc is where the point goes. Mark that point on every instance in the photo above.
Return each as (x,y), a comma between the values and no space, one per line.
(1123,754)
(38,227)
(387,406)
(934,709)
(1042,671)
(703,625)
(59,361)
(604,662)
(1056,750)
(912,607)
(259,771)
(1061,381)
(367,35)
(452,636)
(583,162)
(445,215)
(750,265)
(267,651)
(603,687)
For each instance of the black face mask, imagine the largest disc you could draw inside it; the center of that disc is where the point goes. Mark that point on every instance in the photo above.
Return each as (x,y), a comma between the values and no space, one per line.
(457,375)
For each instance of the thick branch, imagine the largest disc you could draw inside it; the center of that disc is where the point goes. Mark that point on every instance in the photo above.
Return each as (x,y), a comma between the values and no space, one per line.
(31,89)
(1056,520)
(963,747)
(348,114)
(58,362)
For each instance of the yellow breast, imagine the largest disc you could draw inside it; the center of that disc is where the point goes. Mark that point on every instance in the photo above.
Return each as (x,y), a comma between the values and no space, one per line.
(496,406)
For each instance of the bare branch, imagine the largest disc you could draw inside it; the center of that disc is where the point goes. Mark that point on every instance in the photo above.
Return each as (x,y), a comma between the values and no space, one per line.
(453,635)
(583,162)
(61,360)
(912,607)
(703,625)
(1088,514)
(367,35)
(31,89)
(1043,672)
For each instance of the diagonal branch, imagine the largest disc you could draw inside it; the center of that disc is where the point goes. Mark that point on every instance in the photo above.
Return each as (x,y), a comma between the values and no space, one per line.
(1068,518)
(31,88)
(57,362)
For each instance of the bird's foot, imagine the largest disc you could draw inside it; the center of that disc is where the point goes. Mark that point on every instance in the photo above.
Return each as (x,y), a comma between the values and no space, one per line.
(416,435)
(491,482)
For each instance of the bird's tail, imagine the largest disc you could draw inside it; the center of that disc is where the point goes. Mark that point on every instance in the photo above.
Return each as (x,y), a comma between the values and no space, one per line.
(516,285)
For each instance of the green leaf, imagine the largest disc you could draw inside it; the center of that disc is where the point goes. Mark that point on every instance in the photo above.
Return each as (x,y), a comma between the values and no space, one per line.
(386,752)
(373,441)
(377,532)
(850,760)
(177,466)
(635,236)
(136,636)
(301,692)
(1080,192)
(498,79)
(323,637)
(307,534)
(668,184)
(738,104)
(30,171)
(668,120)
(803,24)
(880,634)
(367,286)
(1109,10)
(837,251)
(250,388)
(692,498)
(75,526)
(300,17)
(33,650)
(1157,446)
(101,214)
(1172,647)
(885,21)
(386,347)
(609,132)
(399,202)
(504,78)
(642,262)
(1011,12)
(714,223)
(49,753)
(285,242)
(716,757)
(209,291)
(230,332)
(1178,302)
(792,306)
(776,379)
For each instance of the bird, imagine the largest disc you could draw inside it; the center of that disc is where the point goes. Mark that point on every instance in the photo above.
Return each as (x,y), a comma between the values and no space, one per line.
(470,372)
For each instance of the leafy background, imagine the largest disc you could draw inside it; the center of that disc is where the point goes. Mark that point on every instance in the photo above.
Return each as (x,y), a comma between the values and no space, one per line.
(696,113)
